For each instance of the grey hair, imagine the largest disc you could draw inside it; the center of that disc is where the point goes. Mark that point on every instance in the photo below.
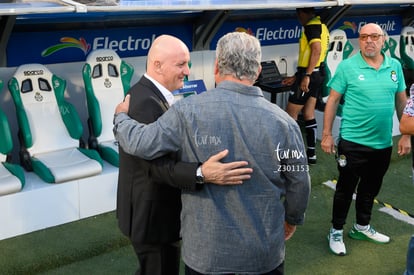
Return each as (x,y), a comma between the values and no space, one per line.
(239,54)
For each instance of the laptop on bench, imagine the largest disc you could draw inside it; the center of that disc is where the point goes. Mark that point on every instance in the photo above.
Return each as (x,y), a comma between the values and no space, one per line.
(270,79)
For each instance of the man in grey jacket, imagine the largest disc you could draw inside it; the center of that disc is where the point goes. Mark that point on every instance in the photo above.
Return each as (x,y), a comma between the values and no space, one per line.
(240,228)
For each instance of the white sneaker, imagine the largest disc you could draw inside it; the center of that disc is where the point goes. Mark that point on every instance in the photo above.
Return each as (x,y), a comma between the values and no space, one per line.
(336,242)
(368,235)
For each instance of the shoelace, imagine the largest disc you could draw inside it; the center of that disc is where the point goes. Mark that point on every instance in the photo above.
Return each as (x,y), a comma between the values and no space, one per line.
(371,231)
(337,237)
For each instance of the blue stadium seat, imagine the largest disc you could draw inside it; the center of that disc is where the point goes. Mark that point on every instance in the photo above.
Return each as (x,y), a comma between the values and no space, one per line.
(50,130)
(107,80)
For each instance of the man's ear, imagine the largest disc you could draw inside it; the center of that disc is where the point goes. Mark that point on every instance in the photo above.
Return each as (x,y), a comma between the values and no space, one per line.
(259,71)
(157,66)
(216,70)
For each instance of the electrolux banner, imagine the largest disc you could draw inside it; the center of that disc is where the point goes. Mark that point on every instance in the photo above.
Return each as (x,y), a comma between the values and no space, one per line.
(271,32)
(73,46)
(277,32)
(392,25)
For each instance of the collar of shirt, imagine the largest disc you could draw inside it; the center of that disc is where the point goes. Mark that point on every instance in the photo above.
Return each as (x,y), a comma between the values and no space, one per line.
(236,87)
(166,93)
(364,64)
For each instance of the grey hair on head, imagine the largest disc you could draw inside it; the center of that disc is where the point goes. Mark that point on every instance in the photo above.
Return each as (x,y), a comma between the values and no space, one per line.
(239,54)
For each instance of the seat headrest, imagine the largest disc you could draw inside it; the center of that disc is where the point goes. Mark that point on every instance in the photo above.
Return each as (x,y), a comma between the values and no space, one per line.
(337,42)
(408,34)
(104,63)
(407,47)
(35,82)
(338,38)
(408,37)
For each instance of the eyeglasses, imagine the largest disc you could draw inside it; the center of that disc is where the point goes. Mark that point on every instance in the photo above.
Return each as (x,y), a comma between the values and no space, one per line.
(373,36)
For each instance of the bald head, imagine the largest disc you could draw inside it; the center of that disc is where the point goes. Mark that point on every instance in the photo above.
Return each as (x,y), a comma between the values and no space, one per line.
(164,47)
(167,62)
(371,28)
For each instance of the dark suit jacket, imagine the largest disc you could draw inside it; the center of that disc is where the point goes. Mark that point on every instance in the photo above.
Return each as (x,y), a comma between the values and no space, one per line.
(148,206)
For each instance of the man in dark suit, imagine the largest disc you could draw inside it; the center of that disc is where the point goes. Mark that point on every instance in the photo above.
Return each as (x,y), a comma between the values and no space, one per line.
(148,200)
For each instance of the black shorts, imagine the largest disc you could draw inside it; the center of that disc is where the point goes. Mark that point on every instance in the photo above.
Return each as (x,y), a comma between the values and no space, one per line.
(315,86)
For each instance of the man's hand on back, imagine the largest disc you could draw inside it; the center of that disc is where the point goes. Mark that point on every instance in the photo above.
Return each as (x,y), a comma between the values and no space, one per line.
(220,173)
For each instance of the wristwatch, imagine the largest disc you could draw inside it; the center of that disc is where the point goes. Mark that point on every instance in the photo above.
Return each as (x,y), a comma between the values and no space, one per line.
(199,176)
(307,74)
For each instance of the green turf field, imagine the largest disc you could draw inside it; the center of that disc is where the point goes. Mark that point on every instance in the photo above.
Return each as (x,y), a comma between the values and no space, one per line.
(96,246)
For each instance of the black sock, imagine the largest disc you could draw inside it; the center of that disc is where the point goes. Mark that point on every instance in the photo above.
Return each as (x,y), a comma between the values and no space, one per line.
(311,127)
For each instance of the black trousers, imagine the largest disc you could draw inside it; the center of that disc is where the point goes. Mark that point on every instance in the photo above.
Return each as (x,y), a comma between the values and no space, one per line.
(277,271)
(363,173)
(158,259)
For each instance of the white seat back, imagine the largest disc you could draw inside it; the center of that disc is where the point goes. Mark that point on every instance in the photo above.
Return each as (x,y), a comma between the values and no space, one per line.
(339,49)
(38,98)
(335,54)
(107,87)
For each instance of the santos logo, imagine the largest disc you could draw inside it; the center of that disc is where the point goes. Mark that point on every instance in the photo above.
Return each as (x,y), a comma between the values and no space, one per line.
(129,44)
